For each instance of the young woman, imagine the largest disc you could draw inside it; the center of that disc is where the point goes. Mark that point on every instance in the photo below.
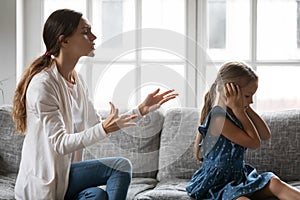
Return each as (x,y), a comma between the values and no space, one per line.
(52,108)
(228,127)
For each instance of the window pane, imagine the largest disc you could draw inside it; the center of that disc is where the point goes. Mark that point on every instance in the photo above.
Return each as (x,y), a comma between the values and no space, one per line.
(217,24)
(165,77)
(112,17)
(277,30)
(168,17)
(116,83)
(164,14)
(278,88)
(113,23)
(229,29)
(52,5)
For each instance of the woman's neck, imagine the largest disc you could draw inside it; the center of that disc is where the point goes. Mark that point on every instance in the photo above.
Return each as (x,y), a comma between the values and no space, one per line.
(66,68)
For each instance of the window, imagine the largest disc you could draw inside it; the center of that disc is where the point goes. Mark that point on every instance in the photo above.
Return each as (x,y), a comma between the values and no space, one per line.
(135,53)
(265,35)
(217,24)
(230,39)
(180,44)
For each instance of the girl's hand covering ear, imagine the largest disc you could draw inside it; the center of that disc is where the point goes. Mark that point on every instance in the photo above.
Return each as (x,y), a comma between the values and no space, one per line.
(115,122)
(234,97)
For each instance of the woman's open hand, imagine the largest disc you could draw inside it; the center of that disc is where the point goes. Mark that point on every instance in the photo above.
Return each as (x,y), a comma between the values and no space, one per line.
(115,122)
(154,100)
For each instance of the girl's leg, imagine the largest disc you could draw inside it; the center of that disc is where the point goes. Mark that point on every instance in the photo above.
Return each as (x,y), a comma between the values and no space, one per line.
(115,173)
(243,198)
(277,188)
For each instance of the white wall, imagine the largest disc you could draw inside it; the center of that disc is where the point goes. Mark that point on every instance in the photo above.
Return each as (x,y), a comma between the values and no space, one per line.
(7,49)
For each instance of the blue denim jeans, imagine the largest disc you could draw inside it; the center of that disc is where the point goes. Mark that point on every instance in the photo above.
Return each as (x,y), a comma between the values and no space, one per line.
(86,176)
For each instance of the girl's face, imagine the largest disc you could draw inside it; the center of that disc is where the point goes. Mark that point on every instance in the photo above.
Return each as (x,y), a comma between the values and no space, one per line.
(248,92)
(81,43)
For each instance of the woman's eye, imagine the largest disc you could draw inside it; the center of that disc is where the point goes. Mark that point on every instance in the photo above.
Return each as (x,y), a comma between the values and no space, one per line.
(85,31)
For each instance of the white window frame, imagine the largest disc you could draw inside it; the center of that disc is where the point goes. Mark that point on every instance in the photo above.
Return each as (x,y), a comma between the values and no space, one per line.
(29,43)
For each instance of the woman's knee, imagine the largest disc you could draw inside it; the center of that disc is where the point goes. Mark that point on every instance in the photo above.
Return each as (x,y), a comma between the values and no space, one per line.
(124,165)
(93,193)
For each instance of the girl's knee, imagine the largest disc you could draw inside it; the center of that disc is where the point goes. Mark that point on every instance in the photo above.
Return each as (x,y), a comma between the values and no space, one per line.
(243,198)
(275,181)
(276,185)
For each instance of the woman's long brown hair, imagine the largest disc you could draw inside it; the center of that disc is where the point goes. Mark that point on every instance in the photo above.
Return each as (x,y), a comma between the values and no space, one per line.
(62,22)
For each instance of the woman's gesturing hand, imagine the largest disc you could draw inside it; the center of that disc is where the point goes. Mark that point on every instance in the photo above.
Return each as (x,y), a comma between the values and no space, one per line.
(154,100)
(115,122)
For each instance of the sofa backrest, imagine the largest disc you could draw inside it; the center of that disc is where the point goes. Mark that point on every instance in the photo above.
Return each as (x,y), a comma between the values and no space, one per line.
(176,144)
(164,144)
(10,142)
(140,144)
(281,153)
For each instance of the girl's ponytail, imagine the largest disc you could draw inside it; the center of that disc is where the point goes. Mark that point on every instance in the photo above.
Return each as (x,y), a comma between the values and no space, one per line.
(209,100)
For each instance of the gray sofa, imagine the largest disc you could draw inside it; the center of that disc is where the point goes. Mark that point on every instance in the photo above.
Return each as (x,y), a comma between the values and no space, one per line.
(160,149)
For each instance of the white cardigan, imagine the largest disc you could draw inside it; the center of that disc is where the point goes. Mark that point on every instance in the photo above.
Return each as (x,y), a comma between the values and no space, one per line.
(50,139)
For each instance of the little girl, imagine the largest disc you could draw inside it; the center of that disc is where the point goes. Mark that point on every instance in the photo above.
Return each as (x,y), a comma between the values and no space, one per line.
(228,127)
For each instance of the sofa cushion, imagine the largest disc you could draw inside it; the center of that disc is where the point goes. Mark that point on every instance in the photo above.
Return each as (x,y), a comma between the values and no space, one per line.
(139,144)
(172,189)
(176,158)
(140,185)
(7,184)
(281,153)
(11,143)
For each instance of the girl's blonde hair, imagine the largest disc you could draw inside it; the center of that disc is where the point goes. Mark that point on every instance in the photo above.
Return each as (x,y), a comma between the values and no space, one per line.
(61,22)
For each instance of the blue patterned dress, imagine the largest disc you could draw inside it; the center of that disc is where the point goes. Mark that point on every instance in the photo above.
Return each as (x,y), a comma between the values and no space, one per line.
(224,174)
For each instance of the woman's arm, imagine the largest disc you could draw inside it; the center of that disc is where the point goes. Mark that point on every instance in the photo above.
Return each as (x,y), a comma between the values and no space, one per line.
(260,125)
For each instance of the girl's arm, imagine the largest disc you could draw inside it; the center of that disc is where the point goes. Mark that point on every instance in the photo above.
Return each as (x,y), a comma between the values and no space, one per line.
(196,147)
(260,125)
(246,137)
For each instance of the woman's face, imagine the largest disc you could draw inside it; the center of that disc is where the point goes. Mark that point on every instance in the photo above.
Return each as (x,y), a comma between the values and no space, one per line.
(81,43)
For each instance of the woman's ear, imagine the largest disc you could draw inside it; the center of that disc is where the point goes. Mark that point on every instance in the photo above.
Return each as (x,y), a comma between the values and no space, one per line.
(63,40)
